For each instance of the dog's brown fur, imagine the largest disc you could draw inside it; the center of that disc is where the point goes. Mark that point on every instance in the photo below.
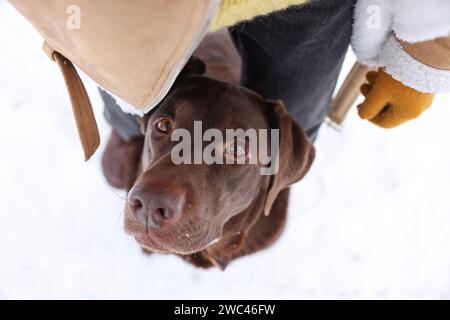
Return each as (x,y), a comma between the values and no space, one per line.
(241,201)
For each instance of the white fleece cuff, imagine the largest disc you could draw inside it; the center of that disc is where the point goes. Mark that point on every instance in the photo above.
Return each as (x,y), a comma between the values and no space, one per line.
(372,25)
(421,20)
(411,72)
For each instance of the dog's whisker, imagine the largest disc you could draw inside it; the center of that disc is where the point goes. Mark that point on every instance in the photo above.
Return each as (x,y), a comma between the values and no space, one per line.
(115,193)
(119,218)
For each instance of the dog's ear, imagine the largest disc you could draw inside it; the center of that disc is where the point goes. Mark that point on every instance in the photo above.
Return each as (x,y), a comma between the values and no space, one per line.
(195,66)
(296,152)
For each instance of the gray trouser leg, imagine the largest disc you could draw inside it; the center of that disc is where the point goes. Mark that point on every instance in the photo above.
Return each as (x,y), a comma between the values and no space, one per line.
(296,55)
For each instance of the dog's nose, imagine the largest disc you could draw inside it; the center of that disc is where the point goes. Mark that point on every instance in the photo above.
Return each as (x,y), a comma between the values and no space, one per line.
(153,206)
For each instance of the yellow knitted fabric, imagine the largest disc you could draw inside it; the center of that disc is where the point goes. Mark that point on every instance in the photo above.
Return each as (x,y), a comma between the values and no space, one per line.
(234,11)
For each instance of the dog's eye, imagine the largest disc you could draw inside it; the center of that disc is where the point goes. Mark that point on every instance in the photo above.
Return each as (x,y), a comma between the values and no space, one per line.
(236,149)
(163,125)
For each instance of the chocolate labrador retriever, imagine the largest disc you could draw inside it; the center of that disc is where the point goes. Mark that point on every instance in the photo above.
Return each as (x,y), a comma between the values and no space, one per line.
(207,214)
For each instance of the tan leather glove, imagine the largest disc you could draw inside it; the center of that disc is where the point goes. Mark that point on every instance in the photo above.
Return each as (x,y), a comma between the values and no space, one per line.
(389,103)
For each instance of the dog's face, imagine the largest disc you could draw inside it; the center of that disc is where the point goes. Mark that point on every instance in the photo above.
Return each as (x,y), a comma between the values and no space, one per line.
(182,208)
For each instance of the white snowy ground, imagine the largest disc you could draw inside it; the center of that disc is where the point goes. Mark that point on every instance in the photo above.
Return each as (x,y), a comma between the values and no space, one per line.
(371,220)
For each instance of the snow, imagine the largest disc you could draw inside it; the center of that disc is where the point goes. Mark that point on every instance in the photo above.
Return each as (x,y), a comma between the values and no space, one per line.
(371,220)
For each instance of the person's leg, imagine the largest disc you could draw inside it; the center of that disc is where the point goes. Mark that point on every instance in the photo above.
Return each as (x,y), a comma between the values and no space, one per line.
(296,55)
(120,161)
(126,125)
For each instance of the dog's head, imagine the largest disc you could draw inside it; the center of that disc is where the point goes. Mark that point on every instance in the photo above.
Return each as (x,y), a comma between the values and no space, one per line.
(182,208)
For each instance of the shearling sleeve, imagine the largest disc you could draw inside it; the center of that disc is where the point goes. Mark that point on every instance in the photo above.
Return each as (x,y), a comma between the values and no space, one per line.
(410,38)
(372,26)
